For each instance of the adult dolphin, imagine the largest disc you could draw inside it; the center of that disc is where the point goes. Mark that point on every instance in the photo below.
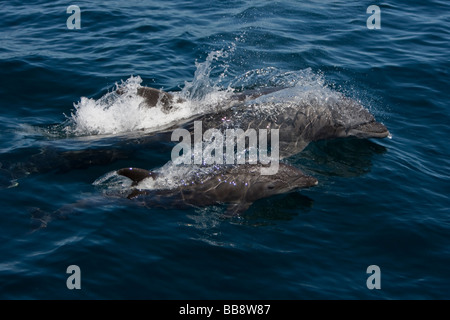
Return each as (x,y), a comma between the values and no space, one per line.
(301,116)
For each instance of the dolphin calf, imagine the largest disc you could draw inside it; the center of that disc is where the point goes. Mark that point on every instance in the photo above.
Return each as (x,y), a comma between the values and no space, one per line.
(300,116)
(238,186)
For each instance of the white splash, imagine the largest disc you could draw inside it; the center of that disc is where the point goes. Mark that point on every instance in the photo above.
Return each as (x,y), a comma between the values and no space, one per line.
(120,113)
(203,87)
(116,113)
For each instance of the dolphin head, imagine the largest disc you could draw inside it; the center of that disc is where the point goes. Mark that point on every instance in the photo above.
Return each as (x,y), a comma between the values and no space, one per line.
(351,119)
(288,178)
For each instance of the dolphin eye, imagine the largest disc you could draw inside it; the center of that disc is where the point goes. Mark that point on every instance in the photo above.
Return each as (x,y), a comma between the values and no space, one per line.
(270,187)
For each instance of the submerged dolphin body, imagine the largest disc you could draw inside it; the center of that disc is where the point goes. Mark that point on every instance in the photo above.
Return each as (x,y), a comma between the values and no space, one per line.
(301,117)
(239,186)
(49,159)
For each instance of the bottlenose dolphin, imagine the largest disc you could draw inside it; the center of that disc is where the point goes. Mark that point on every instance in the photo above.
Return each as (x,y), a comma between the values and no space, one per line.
(300,117)
(238,186)
(299,122)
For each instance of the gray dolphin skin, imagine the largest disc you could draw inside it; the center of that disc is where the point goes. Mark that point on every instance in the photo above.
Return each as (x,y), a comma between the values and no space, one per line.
(302,122)
(299,121)
(238,186)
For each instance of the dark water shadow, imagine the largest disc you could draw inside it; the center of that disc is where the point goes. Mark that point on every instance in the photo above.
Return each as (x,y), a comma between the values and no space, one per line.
(264,212)
(348,157)
(277,208)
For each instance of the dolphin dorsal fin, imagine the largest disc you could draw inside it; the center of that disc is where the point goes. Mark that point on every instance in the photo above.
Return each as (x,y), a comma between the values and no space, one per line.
(153,96)
(135,174)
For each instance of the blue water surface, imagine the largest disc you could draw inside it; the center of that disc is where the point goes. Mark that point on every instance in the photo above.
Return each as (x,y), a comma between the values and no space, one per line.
(378,202)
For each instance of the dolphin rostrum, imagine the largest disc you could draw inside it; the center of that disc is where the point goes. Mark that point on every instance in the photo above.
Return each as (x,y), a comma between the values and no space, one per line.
(239,186)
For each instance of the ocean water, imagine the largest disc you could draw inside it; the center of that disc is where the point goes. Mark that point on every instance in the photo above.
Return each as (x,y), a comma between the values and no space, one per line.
(378,202)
